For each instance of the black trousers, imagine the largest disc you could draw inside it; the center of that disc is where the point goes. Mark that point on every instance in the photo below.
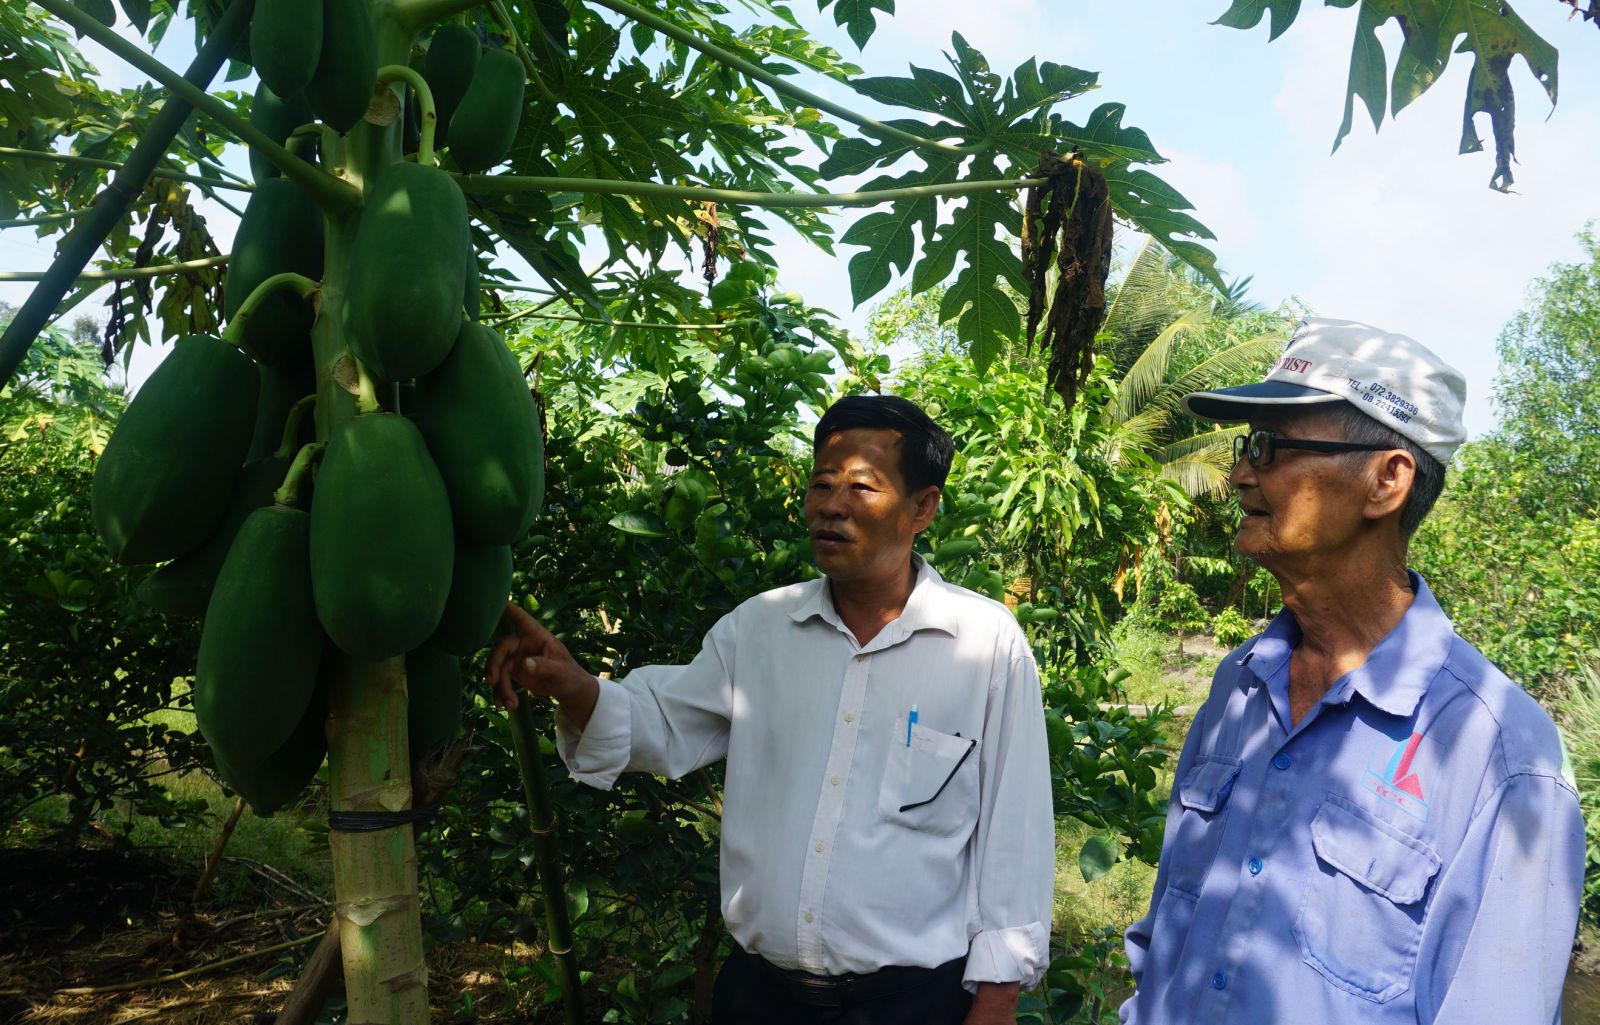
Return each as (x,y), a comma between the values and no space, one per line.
(750,992)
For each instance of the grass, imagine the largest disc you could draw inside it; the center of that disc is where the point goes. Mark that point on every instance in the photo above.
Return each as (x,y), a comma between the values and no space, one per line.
(1159,675)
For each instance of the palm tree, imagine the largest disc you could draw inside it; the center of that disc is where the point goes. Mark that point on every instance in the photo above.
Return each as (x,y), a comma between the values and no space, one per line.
(1166,335)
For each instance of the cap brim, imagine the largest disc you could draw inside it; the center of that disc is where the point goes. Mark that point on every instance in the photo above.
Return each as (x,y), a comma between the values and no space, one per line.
(1231,405)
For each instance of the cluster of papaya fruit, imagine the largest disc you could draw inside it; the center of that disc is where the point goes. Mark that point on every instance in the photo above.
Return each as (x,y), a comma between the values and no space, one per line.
(390,534)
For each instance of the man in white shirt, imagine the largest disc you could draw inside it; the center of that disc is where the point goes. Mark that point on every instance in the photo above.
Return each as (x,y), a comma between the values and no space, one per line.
(887,832)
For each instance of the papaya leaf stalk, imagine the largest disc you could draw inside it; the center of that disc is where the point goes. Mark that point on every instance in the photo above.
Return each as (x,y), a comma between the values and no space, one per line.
(121,273)
(73,160)
(298,283)
(299,470)
(291,426)
(505,184)
(547,858)
(427,114)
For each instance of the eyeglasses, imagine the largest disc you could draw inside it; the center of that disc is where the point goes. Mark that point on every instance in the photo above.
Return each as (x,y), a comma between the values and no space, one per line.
(1260,446)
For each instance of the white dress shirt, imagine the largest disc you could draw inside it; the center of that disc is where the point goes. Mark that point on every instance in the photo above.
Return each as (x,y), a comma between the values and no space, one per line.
(844,847)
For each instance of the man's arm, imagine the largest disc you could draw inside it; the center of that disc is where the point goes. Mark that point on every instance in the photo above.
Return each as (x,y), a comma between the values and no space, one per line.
(1014,844)
(1505,909)
(669,720)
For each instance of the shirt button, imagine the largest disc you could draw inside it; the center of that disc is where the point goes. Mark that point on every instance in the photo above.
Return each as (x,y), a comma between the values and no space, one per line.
(849,718)
(819,848)
(1255,866)
(1282,760)
(809,916)
(1219,981)
(834,781)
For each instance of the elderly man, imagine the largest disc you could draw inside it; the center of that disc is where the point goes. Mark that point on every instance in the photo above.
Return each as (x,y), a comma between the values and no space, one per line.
(1369,822)
(887,830)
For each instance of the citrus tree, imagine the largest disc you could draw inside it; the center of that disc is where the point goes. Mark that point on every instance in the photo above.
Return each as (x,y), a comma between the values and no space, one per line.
(335,458)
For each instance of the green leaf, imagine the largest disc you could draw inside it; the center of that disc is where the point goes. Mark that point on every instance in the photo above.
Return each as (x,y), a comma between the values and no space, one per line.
(1246,14)
(137,13)
(988,315)
(1096,857)
(890,236)
(1156,209)
(639,524)
(858,17)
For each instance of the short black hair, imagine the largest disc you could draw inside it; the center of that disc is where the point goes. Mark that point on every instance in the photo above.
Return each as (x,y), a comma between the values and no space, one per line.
(926,449)
(1355,425)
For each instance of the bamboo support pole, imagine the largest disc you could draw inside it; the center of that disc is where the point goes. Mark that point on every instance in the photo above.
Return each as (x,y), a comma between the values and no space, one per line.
(547,859)
(215,857)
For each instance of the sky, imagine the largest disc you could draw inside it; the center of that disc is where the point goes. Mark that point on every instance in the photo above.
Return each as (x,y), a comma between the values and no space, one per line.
(1394,228)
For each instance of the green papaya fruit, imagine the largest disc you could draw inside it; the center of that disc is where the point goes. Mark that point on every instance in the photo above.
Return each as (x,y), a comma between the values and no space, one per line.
(277,781)
(285,42)
(281,231)
(347,67)
(277,117)
(183,586)
(452,58)
(382,547)
(408,271)
(281,387)
(485,124)
(480,584)
(261,645)
(433,699)
(162,483)
(483,429)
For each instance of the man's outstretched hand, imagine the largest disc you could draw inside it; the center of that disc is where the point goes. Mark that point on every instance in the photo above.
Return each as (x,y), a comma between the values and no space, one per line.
(533,659)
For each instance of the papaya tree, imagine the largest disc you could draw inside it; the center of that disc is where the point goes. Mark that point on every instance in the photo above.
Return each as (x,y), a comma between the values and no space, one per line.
(332,460)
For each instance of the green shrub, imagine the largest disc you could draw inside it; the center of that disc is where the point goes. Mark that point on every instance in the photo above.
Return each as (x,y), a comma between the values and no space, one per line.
(1230,628)
(1180,608)
(1580,727)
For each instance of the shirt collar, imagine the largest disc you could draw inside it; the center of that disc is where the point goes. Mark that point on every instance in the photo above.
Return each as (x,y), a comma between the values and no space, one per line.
(925,609)
(1396,673)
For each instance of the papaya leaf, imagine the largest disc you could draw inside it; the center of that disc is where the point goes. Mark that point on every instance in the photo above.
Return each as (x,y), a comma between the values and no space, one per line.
(859,17)
(1247,14)
(1432,30)
(988,315)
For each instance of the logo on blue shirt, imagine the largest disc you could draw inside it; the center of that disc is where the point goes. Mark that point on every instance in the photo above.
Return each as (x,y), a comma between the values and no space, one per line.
(1403,774)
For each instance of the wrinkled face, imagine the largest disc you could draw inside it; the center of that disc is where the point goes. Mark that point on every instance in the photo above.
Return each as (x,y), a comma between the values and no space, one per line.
(860,516)
(1303,505)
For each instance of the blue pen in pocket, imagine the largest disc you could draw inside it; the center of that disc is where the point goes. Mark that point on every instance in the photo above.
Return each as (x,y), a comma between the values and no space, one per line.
(911,720)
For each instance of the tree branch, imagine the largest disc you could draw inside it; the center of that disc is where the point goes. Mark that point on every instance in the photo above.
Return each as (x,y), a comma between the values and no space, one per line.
(783,86)
(333,195)
(413,14)
(504,184)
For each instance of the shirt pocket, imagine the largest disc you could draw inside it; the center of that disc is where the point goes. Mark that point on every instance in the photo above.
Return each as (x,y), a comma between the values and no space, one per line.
(1203,794)
(930,784)
(1360,921)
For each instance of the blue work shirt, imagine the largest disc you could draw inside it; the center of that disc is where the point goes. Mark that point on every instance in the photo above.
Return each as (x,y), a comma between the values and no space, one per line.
(1411,851)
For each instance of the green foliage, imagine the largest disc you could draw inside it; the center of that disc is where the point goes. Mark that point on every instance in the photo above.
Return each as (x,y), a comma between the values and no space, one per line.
(83,665)
(1513,548)
(1179,608)
(1580,726)
(1230,628)
(1488,29)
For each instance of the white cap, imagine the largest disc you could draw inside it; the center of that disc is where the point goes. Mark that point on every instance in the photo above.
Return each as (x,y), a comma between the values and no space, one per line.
(1394,379)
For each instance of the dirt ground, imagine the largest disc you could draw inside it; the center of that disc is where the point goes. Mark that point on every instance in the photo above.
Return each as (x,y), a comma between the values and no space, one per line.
(73,920)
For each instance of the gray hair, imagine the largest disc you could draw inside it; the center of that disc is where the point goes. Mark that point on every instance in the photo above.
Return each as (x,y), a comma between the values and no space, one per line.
(1355,426)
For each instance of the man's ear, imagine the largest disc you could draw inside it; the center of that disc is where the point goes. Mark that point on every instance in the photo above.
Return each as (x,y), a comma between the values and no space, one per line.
(1391,485)
(927,505)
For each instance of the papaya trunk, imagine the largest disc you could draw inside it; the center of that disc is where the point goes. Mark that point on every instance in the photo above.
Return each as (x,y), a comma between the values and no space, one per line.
(547,859)
(369,761)
(375,873)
